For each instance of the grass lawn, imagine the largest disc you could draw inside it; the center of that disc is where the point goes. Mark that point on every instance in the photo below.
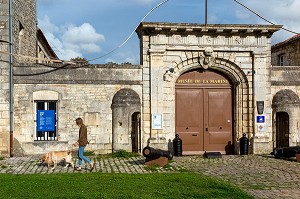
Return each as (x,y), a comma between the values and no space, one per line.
(113,185)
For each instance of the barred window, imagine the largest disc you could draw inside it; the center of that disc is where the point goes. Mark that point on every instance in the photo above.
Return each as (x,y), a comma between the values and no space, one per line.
(45,120)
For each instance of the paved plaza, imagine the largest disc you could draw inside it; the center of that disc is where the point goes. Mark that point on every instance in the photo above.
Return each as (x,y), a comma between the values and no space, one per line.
(261,176)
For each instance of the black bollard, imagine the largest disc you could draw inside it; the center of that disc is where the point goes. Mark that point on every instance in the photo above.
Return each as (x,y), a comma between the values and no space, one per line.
(244,145)
(177,146)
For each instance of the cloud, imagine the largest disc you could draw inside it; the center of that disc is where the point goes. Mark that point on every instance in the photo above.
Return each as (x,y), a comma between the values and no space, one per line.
(279,12)
(70,41)
(83,38)
(123,57)
(46,25)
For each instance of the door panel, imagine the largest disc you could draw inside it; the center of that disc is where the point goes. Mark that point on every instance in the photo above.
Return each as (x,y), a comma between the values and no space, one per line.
(217,119)
(189,118)
(203,113)
(136,132)
(282,129)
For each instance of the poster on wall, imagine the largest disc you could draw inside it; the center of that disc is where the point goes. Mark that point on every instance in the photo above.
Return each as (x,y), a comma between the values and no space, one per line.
(156,121)
(46,120)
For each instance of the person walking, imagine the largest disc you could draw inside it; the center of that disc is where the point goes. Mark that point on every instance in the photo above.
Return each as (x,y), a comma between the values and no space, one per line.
(81,143)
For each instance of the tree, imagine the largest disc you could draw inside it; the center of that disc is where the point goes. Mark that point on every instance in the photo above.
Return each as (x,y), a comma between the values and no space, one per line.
(80,60)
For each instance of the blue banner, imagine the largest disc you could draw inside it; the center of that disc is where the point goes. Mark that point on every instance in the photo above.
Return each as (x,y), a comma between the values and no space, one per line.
(46,120)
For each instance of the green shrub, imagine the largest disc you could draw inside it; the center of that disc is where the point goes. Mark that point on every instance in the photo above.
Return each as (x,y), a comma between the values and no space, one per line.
(123,154)
(89,153)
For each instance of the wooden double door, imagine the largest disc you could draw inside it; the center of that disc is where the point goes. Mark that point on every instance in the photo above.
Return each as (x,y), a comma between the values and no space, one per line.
(204,112)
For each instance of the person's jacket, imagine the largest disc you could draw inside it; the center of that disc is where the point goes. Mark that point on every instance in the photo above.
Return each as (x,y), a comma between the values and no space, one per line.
(82,141)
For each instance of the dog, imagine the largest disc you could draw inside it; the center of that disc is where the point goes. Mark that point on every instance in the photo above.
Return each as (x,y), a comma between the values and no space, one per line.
(54,157)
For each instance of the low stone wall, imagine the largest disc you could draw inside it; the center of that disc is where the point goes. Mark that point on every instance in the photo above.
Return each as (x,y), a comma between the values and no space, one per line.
(85,92)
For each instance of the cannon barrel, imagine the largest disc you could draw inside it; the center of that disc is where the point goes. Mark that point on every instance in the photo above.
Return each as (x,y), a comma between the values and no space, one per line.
(150,152)
(286,152)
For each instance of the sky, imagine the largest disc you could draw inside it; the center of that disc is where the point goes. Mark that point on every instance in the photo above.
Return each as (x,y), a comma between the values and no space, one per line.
(92,29)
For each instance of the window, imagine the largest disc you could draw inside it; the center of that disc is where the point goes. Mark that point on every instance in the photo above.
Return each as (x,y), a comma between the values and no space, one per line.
(281,60)
(45,120)
(21,39)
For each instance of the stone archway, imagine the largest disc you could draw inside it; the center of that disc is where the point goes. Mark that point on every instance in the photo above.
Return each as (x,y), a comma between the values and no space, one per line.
(240,91)
(203,111)
(126,108)
(285,106)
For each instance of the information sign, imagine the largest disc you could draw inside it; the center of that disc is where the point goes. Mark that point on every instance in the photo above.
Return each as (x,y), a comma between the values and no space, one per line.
(260,119)
(46,120)
(156,121)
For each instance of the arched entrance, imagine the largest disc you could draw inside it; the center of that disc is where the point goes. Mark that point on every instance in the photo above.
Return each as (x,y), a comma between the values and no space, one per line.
(126,108)
(282,129)
(203,111)
(285,104)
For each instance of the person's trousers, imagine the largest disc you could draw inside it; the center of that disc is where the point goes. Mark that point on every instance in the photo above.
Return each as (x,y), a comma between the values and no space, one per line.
(81,156)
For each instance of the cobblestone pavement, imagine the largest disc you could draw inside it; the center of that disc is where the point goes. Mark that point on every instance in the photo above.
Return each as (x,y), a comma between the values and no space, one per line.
(260,176)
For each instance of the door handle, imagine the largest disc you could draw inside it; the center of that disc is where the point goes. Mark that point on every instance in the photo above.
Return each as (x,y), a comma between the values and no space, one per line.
(194,134)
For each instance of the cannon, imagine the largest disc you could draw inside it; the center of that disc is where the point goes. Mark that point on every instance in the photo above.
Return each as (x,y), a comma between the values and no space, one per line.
(286,152)
(156,156)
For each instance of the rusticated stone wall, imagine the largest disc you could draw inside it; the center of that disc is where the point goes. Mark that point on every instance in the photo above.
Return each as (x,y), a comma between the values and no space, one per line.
(4,77)
(25,41)
(23,17)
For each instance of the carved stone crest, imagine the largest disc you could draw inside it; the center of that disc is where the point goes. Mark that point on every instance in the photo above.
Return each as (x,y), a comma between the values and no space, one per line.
(168,75)
(207,59)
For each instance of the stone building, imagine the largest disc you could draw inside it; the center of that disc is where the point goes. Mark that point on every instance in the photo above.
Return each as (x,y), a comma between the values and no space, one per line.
(200,81)
(27,42)
(207,83)
(285,89)
(287,53)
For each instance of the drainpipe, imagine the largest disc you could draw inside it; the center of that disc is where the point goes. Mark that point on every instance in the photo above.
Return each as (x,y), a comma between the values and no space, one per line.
(253,99)
(11,107)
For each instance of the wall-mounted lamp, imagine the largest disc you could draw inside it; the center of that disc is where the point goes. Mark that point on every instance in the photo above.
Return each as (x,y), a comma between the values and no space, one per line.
(252,72)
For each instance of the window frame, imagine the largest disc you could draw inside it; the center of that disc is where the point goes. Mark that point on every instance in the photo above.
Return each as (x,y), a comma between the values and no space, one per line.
(281,59)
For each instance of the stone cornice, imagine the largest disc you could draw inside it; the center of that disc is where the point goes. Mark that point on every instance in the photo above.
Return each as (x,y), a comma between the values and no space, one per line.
(148,28)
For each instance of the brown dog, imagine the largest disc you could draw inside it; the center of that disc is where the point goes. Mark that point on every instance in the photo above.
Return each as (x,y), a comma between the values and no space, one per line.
(55,157)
